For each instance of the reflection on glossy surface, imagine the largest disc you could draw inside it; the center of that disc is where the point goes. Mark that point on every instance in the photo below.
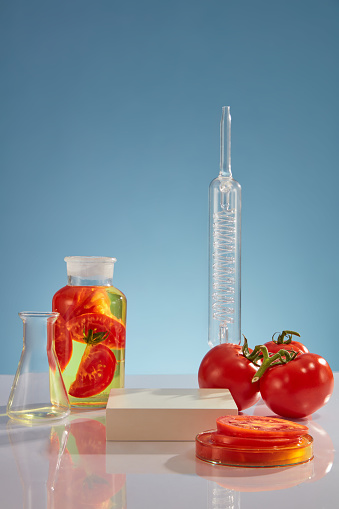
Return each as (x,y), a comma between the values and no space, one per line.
(150,457)
(31,450)
(219,497)
(323,448)
(81,480)
(253,479)
(66,466)
(323,451)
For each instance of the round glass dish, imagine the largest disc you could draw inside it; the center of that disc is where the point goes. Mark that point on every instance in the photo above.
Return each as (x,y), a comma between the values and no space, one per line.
(275,456)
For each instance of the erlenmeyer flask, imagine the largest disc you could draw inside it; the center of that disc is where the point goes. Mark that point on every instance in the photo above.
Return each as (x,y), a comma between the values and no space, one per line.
(38,392)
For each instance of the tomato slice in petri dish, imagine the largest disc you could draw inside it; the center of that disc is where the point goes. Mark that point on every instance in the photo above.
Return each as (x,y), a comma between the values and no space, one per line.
(251,426)
(251,442)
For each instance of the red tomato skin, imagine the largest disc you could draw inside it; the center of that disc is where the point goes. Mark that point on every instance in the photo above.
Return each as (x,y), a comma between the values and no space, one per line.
(225,367)
(63,343)
(95,372)
(298,388)
(272,347)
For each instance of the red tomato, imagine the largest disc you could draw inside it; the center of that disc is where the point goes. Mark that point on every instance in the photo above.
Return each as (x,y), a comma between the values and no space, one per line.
(225,367)
(289,344)
(222,439)
(95,372)
(298,388)
(259,426)
(62,342)
(98,323)
(273,347)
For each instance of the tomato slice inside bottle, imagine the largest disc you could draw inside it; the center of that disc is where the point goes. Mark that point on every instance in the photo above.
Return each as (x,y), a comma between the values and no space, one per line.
(259,427)
(63,343)
(95,372)
(98,323)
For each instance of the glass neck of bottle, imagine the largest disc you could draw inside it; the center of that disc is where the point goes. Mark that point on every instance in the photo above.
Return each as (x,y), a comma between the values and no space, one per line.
(83,281)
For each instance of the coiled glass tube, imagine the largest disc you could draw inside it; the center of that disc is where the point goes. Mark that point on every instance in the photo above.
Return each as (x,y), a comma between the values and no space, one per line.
(224,246)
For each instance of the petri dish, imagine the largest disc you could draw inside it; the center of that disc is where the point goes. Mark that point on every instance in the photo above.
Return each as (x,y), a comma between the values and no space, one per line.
(235,456)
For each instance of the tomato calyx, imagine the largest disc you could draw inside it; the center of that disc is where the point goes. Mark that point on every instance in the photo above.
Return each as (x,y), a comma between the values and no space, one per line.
(281,338)
(93,338)
(98,323)
(261,357)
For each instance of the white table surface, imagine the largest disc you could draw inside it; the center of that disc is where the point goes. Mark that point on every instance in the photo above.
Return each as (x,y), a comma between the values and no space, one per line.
(70,465)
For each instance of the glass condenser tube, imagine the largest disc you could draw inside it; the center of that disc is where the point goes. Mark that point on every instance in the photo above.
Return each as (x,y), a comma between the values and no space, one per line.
(224,246)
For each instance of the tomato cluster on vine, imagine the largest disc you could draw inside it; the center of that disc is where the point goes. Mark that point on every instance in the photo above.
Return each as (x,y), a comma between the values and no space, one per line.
(292,381)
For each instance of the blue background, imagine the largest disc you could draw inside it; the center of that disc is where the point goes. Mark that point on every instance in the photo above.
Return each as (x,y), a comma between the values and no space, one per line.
(110,138)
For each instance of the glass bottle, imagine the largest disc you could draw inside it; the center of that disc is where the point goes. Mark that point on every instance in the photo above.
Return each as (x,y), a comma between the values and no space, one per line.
(90,333)
(38,392)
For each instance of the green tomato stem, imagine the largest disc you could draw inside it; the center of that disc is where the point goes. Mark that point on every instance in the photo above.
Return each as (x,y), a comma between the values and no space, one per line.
(255,355)
(281,338)
(281,357)
(93,338)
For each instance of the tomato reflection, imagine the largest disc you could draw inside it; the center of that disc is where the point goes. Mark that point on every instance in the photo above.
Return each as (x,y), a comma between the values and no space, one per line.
(77,471)
(323,448)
